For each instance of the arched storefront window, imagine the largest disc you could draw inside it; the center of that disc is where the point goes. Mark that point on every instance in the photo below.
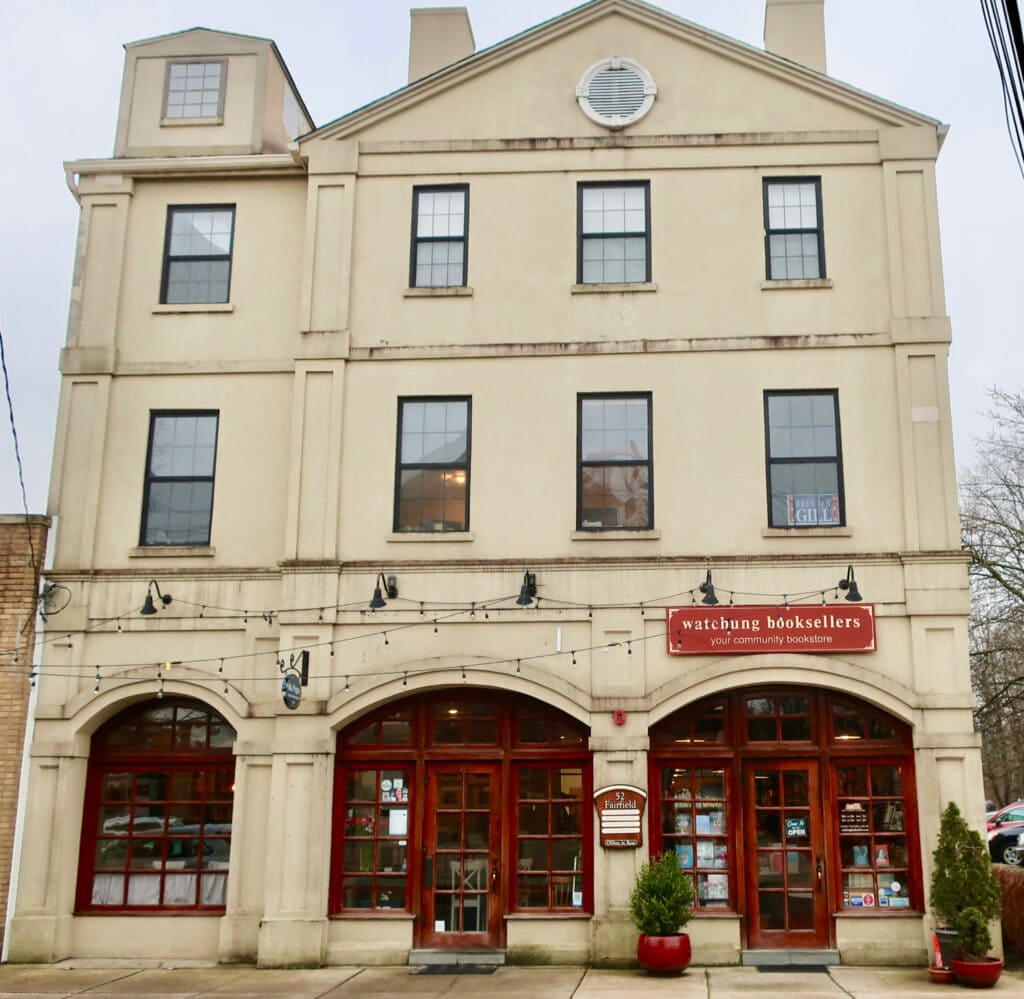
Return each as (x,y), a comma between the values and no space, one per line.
(462,807)
(158,804)
(789,805)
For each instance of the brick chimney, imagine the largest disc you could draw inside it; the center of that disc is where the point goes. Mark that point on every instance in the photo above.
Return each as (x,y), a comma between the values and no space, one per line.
(795,30)
(438,36)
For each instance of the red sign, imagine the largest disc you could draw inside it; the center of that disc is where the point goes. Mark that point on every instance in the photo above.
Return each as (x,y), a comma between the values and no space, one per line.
(620,811)
(718,631)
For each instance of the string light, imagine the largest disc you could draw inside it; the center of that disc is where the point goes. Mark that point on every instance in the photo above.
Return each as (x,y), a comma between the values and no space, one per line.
(519,666)
(96,689)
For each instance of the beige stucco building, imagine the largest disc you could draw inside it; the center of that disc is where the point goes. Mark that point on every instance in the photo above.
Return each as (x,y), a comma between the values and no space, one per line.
(553,348)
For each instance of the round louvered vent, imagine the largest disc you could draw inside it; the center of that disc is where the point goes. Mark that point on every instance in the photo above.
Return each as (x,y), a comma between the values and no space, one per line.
(616,92)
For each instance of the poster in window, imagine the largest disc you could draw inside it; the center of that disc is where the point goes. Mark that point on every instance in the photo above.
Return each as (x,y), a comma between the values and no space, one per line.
(716,887)
(881,855)
(853,818)
(684,855)
(860,855)
(683,824)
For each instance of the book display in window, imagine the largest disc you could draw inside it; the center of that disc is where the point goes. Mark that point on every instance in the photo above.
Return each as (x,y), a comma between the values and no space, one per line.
(872,844)
(695,826)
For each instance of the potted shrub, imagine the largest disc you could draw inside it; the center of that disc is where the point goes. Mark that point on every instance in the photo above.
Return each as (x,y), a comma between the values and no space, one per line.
(660,906)
(961,879)
(974,967)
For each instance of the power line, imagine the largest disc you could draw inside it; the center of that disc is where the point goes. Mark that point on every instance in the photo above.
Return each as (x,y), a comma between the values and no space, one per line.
(17,450)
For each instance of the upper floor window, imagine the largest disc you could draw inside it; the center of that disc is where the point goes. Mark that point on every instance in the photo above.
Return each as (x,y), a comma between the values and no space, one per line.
(177,505)
(613,233)
(197,254)
(440,225)
(614,485)
(195,89)
(432,480)
(794,243)
(805,481)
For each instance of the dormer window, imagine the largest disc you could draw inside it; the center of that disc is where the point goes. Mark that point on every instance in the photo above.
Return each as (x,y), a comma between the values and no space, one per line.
(195,89)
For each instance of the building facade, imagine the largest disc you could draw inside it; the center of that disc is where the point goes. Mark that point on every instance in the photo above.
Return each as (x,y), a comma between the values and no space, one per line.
(543,466)
(22,552)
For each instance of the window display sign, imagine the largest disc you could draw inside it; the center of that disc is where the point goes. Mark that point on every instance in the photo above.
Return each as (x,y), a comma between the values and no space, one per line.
(735,630)
(620,811)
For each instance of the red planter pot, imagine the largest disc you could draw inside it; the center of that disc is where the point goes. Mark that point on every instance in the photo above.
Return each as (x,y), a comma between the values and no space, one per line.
(668,955)
(981,974)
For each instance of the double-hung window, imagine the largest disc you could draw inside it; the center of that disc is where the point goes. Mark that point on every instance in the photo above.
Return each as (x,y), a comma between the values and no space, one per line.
(177,506)
(794,242)
(805,472)
(440,227)
(614,485)
(195,89)
(197,254)
(613,233)
(432,479)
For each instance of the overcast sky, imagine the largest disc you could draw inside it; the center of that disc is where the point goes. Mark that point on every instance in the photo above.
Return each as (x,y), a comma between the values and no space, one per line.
(60,74)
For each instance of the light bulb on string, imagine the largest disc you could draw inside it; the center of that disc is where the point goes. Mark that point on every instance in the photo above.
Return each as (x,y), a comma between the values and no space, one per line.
(629,648)
(574,657)
(405,679)
(435,625)
(348,686)
(519,668)
(96,689)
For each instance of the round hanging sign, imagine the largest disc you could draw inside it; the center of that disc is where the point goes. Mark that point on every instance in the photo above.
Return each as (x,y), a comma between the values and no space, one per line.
(291,690)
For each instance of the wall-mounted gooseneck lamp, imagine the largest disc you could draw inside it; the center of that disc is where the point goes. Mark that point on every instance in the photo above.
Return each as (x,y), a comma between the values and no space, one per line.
(148,607)
(390,587)
(528,590)
(850,584)
(708,589)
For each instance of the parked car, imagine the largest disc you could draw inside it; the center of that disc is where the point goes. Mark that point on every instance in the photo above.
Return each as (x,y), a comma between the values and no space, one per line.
(1006,844)
(1005,815)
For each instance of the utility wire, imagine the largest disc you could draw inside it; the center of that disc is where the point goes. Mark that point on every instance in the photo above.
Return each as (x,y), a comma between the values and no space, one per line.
(17,450)
(1003,23)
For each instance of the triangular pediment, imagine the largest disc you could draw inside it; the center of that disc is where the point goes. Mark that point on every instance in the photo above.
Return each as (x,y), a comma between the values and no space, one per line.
(707,83)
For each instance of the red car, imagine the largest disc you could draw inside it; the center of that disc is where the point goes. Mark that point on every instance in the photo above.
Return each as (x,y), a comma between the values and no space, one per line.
(1011,813)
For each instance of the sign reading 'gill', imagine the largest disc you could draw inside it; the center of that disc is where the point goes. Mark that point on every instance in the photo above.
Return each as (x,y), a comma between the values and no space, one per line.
(703,631)
(620,810)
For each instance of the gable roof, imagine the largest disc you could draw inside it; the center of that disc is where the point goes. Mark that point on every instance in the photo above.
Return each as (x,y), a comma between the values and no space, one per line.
(157,39)
(887,112)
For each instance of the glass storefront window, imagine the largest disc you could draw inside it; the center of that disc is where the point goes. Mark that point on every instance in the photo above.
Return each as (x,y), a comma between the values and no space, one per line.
(695,826)
(872,836)
(549,826)
(159,803)
(376,838)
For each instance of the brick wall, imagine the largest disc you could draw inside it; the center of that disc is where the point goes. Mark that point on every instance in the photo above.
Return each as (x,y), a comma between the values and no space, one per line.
(19,584)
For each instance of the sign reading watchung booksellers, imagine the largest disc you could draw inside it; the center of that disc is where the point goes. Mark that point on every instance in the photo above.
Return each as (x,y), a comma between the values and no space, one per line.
(732,630)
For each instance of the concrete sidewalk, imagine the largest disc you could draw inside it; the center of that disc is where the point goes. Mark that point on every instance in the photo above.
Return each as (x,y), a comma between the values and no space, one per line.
(99,979)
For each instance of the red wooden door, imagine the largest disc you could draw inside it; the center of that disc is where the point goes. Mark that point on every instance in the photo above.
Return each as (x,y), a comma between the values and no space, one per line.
(787,904)
(461,898)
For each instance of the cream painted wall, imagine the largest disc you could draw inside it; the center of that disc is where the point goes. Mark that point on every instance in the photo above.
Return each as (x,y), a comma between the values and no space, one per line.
(305,366)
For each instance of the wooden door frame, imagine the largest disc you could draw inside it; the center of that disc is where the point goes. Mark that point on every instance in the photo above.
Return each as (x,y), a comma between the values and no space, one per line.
(822,933)
(494,936)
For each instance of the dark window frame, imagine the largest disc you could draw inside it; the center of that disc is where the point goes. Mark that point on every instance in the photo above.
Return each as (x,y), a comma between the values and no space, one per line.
(582,397)
(837,461)
(416,241)
(150,478)
(818,230)
(401,466)
(581,186)
(169,259)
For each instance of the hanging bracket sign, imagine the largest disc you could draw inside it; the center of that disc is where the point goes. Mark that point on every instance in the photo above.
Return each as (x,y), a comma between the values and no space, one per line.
(291,690)
(738,630)
(620,812)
